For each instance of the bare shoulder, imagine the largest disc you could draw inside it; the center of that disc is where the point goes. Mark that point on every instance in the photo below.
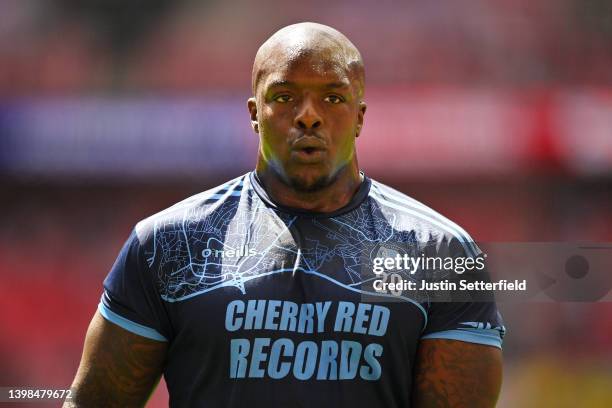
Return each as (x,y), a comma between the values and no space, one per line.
(118,368)
(451,373)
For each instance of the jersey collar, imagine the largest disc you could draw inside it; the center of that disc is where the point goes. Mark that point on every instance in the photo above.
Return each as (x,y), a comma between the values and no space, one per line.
(362,193)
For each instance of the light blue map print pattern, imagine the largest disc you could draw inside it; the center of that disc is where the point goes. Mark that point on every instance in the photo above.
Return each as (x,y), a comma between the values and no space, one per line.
(236,238)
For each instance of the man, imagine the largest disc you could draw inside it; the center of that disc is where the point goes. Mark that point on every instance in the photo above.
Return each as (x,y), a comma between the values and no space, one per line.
(259,292)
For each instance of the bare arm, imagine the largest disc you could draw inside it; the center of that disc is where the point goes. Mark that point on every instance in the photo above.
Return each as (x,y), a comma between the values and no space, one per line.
(451,373)
(118,368)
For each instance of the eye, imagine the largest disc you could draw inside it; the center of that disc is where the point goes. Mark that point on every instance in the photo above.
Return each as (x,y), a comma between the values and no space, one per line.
(283,98)
(335,99)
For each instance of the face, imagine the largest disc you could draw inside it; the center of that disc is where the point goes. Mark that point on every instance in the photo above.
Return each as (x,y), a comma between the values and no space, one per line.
(307,111)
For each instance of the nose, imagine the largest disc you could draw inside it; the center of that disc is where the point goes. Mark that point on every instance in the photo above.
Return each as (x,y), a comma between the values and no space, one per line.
(307,116)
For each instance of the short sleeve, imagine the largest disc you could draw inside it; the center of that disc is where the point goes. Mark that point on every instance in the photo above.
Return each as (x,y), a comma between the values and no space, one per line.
(469,316)
(130,298)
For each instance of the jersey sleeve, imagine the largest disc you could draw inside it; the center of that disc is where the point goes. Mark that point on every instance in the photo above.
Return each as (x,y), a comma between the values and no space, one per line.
(469,317)
(130,298)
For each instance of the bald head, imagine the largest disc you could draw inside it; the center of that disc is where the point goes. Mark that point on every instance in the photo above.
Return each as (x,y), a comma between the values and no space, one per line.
(297,41)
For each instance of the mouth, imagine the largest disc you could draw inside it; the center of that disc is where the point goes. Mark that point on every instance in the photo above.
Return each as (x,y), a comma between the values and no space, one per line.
(308,155)
(308,150)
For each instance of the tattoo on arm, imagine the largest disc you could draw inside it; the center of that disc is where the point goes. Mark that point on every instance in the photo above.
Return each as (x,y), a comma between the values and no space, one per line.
(450,373)
(118,368)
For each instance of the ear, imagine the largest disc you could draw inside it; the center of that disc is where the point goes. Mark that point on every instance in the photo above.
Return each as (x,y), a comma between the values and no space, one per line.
(360,114)
(252,106)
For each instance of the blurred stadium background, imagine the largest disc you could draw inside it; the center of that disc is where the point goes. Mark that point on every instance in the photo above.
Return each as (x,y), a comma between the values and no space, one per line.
(498,114)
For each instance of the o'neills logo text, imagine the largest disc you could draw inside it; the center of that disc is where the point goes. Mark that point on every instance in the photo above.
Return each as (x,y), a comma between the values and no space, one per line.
(229,253)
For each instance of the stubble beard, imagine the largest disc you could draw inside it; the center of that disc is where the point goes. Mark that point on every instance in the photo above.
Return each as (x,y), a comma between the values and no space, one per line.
(307,185)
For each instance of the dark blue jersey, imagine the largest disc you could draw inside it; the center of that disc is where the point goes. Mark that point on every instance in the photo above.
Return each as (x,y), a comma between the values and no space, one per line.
(269,306)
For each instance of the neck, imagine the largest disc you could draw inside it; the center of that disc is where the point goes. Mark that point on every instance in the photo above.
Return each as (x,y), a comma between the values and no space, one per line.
(327,199)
